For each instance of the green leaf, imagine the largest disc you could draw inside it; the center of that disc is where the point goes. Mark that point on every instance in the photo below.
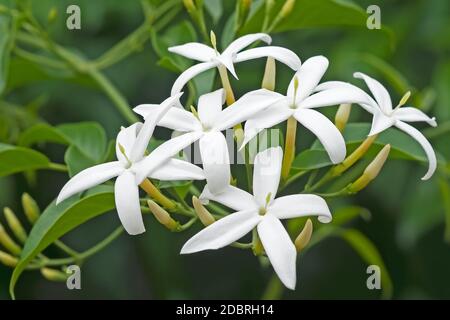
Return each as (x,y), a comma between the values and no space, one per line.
(56,221)
(16,159)
(7,30)
(41,132)
(215,9)
(346,214)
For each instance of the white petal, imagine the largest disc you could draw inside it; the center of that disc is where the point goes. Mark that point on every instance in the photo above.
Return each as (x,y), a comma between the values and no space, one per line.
(300,205)
(146,131)
(246,107)
(222,232)
(146,110)
(216,160)
(410,114)
(380,122)
(244,41)
(126,194)
(427,147)
(126,138)
(228,62)
(175,169)
(266,174)
(210,106)
(190,73)
(194,50)
(231,197)
(273,115)
(379,92)
(280,249)
(309,75)
(281,54)
(163,152)
(325,131)
(90,177)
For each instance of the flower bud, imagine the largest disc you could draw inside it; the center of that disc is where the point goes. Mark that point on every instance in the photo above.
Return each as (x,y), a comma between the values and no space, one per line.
(189,5)
(269,75)
(30,208)
(8,243)
(162,216)
(372,170)
(287,8)
(243,9)
(7,259)
(52,15)
(342,115)
(203,214)
(54,275)
(15,225)
(305,236)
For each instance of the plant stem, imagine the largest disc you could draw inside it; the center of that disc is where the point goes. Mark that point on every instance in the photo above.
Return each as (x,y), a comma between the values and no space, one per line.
(226,84)
(274,289)
(57,167)
(289,147)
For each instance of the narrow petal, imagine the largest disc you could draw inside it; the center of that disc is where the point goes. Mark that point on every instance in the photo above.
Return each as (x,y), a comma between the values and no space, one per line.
(325,131)
(379,92)
(190,73)
(427,147)
(309,75)
(175,119)
(231,197)
(246,107)
(163,152)
(89,178)
(223,232)
(194,50)
(210,106)
(244,41)
(146,131)
(410,114)
(175,169)
(228,62)
(273,115)
(281,54)
(126,138)
(380,122)
(266,175)
(126,194)
(216,160)
(280,249)
(300,205)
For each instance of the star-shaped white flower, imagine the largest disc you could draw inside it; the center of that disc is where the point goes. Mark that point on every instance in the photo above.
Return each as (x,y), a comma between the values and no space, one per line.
(299,102)
(207,126)
(210,58)
(384,117)
(263,211)
(131,144)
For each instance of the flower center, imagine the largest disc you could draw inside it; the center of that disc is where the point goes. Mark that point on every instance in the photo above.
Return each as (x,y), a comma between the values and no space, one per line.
(122,150)
(294,104)
(402,101)
(263,210)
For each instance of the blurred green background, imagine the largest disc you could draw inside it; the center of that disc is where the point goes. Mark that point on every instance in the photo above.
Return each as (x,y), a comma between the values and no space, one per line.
(407,224)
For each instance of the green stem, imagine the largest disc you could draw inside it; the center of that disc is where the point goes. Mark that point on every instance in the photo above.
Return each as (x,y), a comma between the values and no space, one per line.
(57,167)
(274,289)
(61,245)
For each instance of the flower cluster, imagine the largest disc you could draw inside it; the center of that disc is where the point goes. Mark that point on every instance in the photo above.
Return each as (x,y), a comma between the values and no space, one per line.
(259,109)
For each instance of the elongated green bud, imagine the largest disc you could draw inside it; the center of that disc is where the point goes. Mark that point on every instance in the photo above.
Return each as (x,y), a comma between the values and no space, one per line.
(304,236)
(8,243)
(30,207)
(52,15)
(15,225)
(269,75)
(189,5)
(162,216)
(372,170)
(7,259)
(342,115)
(54,275)
(243,9)
(203,214)
(287,8)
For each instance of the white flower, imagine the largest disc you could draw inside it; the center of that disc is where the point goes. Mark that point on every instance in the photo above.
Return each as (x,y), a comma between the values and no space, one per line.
(208,126)
(384,117)
(262,211)
(131,144)
(299,103)
(210,58)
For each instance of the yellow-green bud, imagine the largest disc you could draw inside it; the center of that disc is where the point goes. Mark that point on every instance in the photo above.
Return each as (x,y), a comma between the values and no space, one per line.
(287,8)
(15,225)
(203,214)
(305,236)
(7,259)
(52,14)
(269,75)
(372,170)
(190,6)
(54,275)
(30,208)
(162,216)
(212,35)
(8,243)
(404,99)
(342,115)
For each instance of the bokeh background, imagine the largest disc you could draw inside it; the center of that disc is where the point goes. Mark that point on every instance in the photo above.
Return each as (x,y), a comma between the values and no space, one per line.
(407,222)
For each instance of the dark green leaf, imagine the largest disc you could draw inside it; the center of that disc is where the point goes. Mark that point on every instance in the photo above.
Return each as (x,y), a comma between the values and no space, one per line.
(7,32)
(16,159)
